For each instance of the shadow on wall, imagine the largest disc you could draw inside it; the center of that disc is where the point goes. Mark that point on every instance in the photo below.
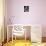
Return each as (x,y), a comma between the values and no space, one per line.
(44,34)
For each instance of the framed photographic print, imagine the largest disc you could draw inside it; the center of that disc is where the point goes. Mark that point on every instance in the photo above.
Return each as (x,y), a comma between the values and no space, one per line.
(26,8)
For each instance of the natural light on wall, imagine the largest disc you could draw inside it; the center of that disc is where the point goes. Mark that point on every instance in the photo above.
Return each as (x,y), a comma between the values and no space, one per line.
(1,16)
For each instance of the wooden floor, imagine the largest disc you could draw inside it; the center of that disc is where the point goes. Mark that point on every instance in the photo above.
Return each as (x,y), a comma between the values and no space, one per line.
(18,43)
(43,39)
(23,43)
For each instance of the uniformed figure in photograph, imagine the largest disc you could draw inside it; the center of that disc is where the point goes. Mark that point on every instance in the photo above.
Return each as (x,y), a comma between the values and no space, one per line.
(26,8)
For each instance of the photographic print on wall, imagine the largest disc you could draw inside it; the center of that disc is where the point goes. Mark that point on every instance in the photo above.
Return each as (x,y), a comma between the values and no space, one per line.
(26,8)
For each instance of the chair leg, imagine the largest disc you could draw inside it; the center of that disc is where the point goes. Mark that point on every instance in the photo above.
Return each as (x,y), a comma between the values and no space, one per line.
(15,38)
(25,36)
(12,37)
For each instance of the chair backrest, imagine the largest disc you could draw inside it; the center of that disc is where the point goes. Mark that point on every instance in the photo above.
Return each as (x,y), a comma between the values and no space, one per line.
(18,30)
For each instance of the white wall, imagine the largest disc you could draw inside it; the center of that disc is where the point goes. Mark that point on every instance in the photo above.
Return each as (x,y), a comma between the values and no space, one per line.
(36,14)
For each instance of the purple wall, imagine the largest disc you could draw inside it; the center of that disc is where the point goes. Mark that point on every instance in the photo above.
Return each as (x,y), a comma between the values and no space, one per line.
(36,14)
